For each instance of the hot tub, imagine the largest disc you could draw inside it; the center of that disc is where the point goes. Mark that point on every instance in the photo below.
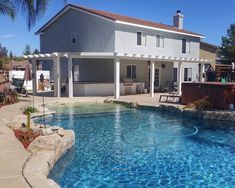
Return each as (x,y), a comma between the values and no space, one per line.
(220,95)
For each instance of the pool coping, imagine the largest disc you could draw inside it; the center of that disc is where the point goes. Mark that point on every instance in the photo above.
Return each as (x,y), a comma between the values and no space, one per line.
(218,115)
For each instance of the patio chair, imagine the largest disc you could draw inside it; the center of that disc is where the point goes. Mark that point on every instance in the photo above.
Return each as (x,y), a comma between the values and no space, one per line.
(173,94)
(18,83)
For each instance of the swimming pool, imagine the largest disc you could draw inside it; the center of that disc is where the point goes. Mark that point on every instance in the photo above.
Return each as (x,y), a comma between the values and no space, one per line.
(121,147)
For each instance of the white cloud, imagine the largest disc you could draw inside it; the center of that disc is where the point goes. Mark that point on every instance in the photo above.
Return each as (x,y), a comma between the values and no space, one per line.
(8,36)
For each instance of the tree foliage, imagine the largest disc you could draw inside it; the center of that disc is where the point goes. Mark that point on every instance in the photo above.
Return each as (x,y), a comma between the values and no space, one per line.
(3,51)
(3,56)
(227,50)
(32,10)
(7,8)
(36,51)
(27,50)
(11,55)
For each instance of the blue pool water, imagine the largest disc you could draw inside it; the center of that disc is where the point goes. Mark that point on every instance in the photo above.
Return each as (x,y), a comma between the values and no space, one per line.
(121,147)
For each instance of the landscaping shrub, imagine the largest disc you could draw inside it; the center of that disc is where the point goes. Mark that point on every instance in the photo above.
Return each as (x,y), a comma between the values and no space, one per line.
(203,104)
(10,97)
(30,109)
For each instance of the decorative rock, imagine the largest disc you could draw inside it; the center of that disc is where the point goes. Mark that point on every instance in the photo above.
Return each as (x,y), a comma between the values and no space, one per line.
(55,128)
(61,132)
(17,121)
(46,131)
(46,150)
(107,101)
(42,126)
(199,114)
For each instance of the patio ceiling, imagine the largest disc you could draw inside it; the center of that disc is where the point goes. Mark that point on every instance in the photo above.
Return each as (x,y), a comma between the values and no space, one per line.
(111,55)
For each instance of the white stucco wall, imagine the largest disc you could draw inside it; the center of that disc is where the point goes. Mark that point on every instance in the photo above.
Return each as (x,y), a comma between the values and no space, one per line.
(93,34)
(126,42)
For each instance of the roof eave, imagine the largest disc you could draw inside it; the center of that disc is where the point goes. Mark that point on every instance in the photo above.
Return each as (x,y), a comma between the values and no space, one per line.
(160,29)
(40,31)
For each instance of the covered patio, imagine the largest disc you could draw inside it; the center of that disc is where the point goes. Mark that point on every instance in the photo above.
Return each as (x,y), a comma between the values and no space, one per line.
(117,59)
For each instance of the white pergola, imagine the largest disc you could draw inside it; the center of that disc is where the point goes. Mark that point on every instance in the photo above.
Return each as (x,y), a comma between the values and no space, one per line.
(108,55)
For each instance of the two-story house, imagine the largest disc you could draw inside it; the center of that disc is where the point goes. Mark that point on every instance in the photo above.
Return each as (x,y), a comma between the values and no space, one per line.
(101,53)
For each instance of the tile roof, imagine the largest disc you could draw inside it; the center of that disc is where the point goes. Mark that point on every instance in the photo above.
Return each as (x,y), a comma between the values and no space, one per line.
(21,64)
(117,17)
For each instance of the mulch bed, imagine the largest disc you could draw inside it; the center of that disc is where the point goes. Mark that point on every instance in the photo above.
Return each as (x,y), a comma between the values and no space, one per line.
(25,137)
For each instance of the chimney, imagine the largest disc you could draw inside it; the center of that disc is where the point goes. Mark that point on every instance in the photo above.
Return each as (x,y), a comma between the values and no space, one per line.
(178,20)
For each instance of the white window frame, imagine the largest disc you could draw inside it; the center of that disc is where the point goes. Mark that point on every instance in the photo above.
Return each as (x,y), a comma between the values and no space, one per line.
(131,77)
(160,41)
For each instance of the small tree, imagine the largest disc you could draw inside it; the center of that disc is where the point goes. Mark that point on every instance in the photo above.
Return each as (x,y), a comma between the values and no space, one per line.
(36,51)
(27,50)
(11,55)
(3,56)
(227,49)
(28,111)
(3,51)
(3,62)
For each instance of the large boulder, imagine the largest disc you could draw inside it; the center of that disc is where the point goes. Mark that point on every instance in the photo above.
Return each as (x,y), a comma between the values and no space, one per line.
(46,150)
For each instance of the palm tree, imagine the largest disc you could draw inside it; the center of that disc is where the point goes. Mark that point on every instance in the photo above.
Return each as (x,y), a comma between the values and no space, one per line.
(7,8)
(31,9)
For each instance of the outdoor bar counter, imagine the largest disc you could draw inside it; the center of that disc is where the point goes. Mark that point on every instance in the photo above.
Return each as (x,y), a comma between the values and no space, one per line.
(105,89)
(220,95)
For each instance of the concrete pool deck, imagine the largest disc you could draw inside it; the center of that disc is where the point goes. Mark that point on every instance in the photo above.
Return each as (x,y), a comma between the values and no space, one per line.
(12,153)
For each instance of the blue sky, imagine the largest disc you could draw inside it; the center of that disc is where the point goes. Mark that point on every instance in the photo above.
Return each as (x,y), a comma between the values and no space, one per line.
(208,17)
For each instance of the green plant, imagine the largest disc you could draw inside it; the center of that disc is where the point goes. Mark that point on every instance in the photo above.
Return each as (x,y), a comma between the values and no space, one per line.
(28,111)
(203,104)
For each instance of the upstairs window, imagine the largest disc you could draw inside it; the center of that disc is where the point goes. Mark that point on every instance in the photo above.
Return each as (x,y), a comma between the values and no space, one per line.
(185,46)
(131,71)
(160,41)
(141,39)
(187,74)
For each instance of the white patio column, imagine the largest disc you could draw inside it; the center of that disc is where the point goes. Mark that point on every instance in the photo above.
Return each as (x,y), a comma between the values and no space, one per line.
(202,72)
(179,75)
(70,76)
(34,70)
(152,78)
(116,78)
(57,75)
